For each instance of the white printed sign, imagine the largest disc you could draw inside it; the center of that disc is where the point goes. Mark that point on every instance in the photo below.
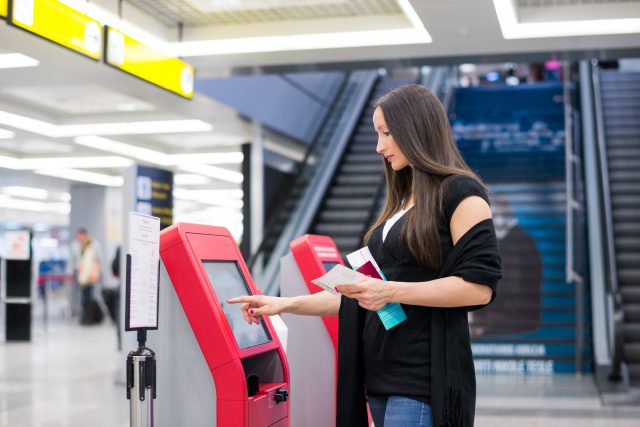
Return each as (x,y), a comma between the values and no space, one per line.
(144,249)
(16,245)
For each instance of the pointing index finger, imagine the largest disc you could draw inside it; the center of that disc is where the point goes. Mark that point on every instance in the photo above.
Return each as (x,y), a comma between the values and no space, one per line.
(240,299)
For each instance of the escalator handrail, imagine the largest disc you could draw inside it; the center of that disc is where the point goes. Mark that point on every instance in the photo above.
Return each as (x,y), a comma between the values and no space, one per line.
(280,203)
(312,198)
(610,257)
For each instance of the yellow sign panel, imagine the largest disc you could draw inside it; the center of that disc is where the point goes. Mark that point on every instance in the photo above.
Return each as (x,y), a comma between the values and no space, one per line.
(4,8)
(135,58)
(59,23)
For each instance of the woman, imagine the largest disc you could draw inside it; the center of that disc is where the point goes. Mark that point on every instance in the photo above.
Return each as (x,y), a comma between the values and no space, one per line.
(436,244)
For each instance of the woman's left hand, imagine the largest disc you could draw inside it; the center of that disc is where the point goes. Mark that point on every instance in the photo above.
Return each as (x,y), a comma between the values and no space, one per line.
(372,294)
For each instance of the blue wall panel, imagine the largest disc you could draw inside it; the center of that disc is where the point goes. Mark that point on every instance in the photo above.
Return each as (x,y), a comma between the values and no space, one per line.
(514,138)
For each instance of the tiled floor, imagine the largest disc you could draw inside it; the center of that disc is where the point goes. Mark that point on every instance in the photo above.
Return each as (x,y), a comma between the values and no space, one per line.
(550,401)
(67,377)
(64,378)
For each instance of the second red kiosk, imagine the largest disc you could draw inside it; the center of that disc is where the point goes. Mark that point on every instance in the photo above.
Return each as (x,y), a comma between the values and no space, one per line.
(312,341)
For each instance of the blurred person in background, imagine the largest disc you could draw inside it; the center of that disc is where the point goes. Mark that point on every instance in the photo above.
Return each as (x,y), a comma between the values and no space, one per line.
(88,275)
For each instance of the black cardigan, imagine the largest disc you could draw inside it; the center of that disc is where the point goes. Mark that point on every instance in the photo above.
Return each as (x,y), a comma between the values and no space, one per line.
(475,258)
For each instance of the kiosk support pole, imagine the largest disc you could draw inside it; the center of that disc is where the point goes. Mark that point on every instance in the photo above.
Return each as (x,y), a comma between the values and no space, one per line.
(141,382)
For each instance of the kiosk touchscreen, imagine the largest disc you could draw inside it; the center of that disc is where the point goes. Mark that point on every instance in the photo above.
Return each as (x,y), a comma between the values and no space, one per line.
(213,368)
(313,341)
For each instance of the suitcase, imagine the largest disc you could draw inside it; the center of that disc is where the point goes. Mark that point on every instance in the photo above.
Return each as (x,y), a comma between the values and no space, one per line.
(92,313)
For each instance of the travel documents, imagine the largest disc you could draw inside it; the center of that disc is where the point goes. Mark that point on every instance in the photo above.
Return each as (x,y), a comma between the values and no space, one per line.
(338,275)
(363,265)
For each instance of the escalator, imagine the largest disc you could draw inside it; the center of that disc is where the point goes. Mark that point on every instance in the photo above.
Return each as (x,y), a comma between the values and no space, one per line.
(620,95)
(352,198)
(289,200)
(333,133)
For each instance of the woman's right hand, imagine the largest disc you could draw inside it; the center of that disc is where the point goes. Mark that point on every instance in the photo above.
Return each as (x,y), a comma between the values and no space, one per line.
(256,306)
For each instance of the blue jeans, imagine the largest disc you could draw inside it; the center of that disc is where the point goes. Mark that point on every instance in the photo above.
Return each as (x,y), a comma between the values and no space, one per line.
(399,411)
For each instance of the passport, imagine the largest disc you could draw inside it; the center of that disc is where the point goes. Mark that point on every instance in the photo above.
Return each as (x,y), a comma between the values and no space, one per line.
(392,313)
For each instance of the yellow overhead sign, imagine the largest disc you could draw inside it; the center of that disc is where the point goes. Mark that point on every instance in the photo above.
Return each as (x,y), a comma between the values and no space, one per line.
(135,58)
(4,8)
(59,23)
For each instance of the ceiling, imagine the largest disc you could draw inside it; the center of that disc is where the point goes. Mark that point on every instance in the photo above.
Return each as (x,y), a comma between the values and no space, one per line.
(248,12)
(221,37)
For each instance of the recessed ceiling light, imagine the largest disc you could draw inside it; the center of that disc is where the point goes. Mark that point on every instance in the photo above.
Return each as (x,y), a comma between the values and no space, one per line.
(512,28)
(6,134)
(97,162)
(190,179)
(186,164)
(17,60)
(83,176)
(416,34)
(114,128)
(26,192)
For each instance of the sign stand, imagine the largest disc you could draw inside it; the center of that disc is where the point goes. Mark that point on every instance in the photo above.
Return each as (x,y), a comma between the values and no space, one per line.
(141,314)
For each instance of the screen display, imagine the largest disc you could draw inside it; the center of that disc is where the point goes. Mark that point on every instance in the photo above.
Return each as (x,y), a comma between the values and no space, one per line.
(328,265)
(227,282)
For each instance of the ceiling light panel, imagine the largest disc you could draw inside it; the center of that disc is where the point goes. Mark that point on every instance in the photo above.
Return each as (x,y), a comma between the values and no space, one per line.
(17,60)
(205,12)
(6,134)
(208,158)
(513,26)
(115,128)
(83,176)
(190,179)
(36,146)
(78,99)
(74,162)
(157,157)
(25,192)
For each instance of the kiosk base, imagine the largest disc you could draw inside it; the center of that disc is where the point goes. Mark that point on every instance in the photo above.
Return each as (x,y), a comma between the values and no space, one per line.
(188,395)
(311,357)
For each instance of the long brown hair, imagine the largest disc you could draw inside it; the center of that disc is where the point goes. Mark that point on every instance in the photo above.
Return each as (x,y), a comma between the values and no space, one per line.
(419,125)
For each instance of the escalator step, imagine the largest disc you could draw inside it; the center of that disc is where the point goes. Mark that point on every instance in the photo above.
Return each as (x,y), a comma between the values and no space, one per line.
(625,188)
(630,294)
(634,374)
(348,244)
(353,191)
(626,261)
(623,176)
(365,179)
(627,101)
(627,229)
(625,164)
(632,352)
(337,229)
(619,112)
(627,131)
(360,169)
(365,138)
(627,244)
(362,149)
(625,215)
(345,204)
(364,158)
(631,332)
(613,75)
(621,202)
(332,216)
(631,312)
(623,152)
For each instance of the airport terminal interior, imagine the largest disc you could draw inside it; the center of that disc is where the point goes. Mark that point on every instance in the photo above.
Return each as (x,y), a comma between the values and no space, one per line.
(160,157)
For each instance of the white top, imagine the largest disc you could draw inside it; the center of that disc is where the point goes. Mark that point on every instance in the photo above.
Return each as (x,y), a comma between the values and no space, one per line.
(393,220)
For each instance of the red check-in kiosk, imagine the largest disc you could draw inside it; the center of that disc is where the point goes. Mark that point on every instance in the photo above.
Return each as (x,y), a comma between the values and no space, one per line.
(312,341)
(213,368)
